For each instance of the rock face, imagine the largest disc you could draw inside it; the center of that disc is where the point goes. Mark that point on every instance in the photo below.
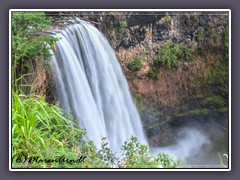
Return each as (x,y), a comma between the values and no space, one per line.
(190,90)
(40,76)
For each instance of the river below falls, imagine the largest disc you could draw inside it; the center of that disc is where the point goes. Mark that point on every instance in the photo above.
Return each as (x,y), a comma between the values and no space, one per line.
(198,145)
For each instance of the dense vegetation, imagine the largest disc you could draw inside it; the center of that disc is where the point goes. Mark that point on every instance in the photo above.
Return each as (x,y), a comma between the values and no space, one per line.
(137,63)
(42,132)
(27,41)
(170,54)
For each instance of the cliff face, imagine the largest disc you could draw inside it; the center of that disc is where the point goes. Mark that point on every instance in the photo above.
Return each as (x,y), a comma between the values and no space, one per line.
(190,91)
(175,95)
(39,79)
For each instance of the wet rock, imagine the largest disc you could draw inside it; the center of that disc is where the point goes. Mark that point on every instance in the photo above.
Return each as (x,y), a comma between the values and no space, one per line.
(164,137)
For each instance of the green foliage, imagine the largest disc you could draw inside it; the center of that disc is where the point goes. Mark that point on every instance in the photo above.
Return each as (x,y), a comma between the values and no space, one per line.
(122,26)
(166,20)
(26,41)
(170,54)
(185,53)
(153,74)
(222,158)
(41,129)
(200,35)
(167,161)
(138,156)
(136,64)
(30,22)
(167,17)
(123,23)
(106,154)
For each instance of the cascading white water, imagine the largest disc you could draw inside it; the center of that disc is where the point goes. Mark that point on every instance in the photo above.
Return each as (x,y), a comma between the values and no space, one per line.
(92,86)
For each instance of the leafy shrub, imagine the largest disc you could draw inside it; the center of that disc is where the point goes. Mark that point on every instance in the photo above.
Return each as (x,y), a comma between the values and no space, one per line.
(137,155)
(106,154)
(26,41)
(122,26)
(170,54)
(186,53)
(137,63)
(153,74)
(167,161)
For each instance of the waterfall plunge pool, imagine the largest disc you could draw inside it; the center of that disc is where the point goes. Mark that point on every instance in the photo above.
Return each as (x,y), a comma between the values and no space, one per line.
(199,145)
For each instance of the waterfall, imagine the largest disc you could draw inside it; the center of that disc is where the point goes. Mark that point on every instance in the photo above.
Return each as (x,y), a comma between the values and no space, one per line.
(91,84)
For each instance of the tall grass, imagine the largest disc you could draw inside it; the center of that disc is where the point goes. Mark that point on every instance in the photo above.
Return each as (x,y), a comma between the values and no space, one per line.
(223,158)
(41,129)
